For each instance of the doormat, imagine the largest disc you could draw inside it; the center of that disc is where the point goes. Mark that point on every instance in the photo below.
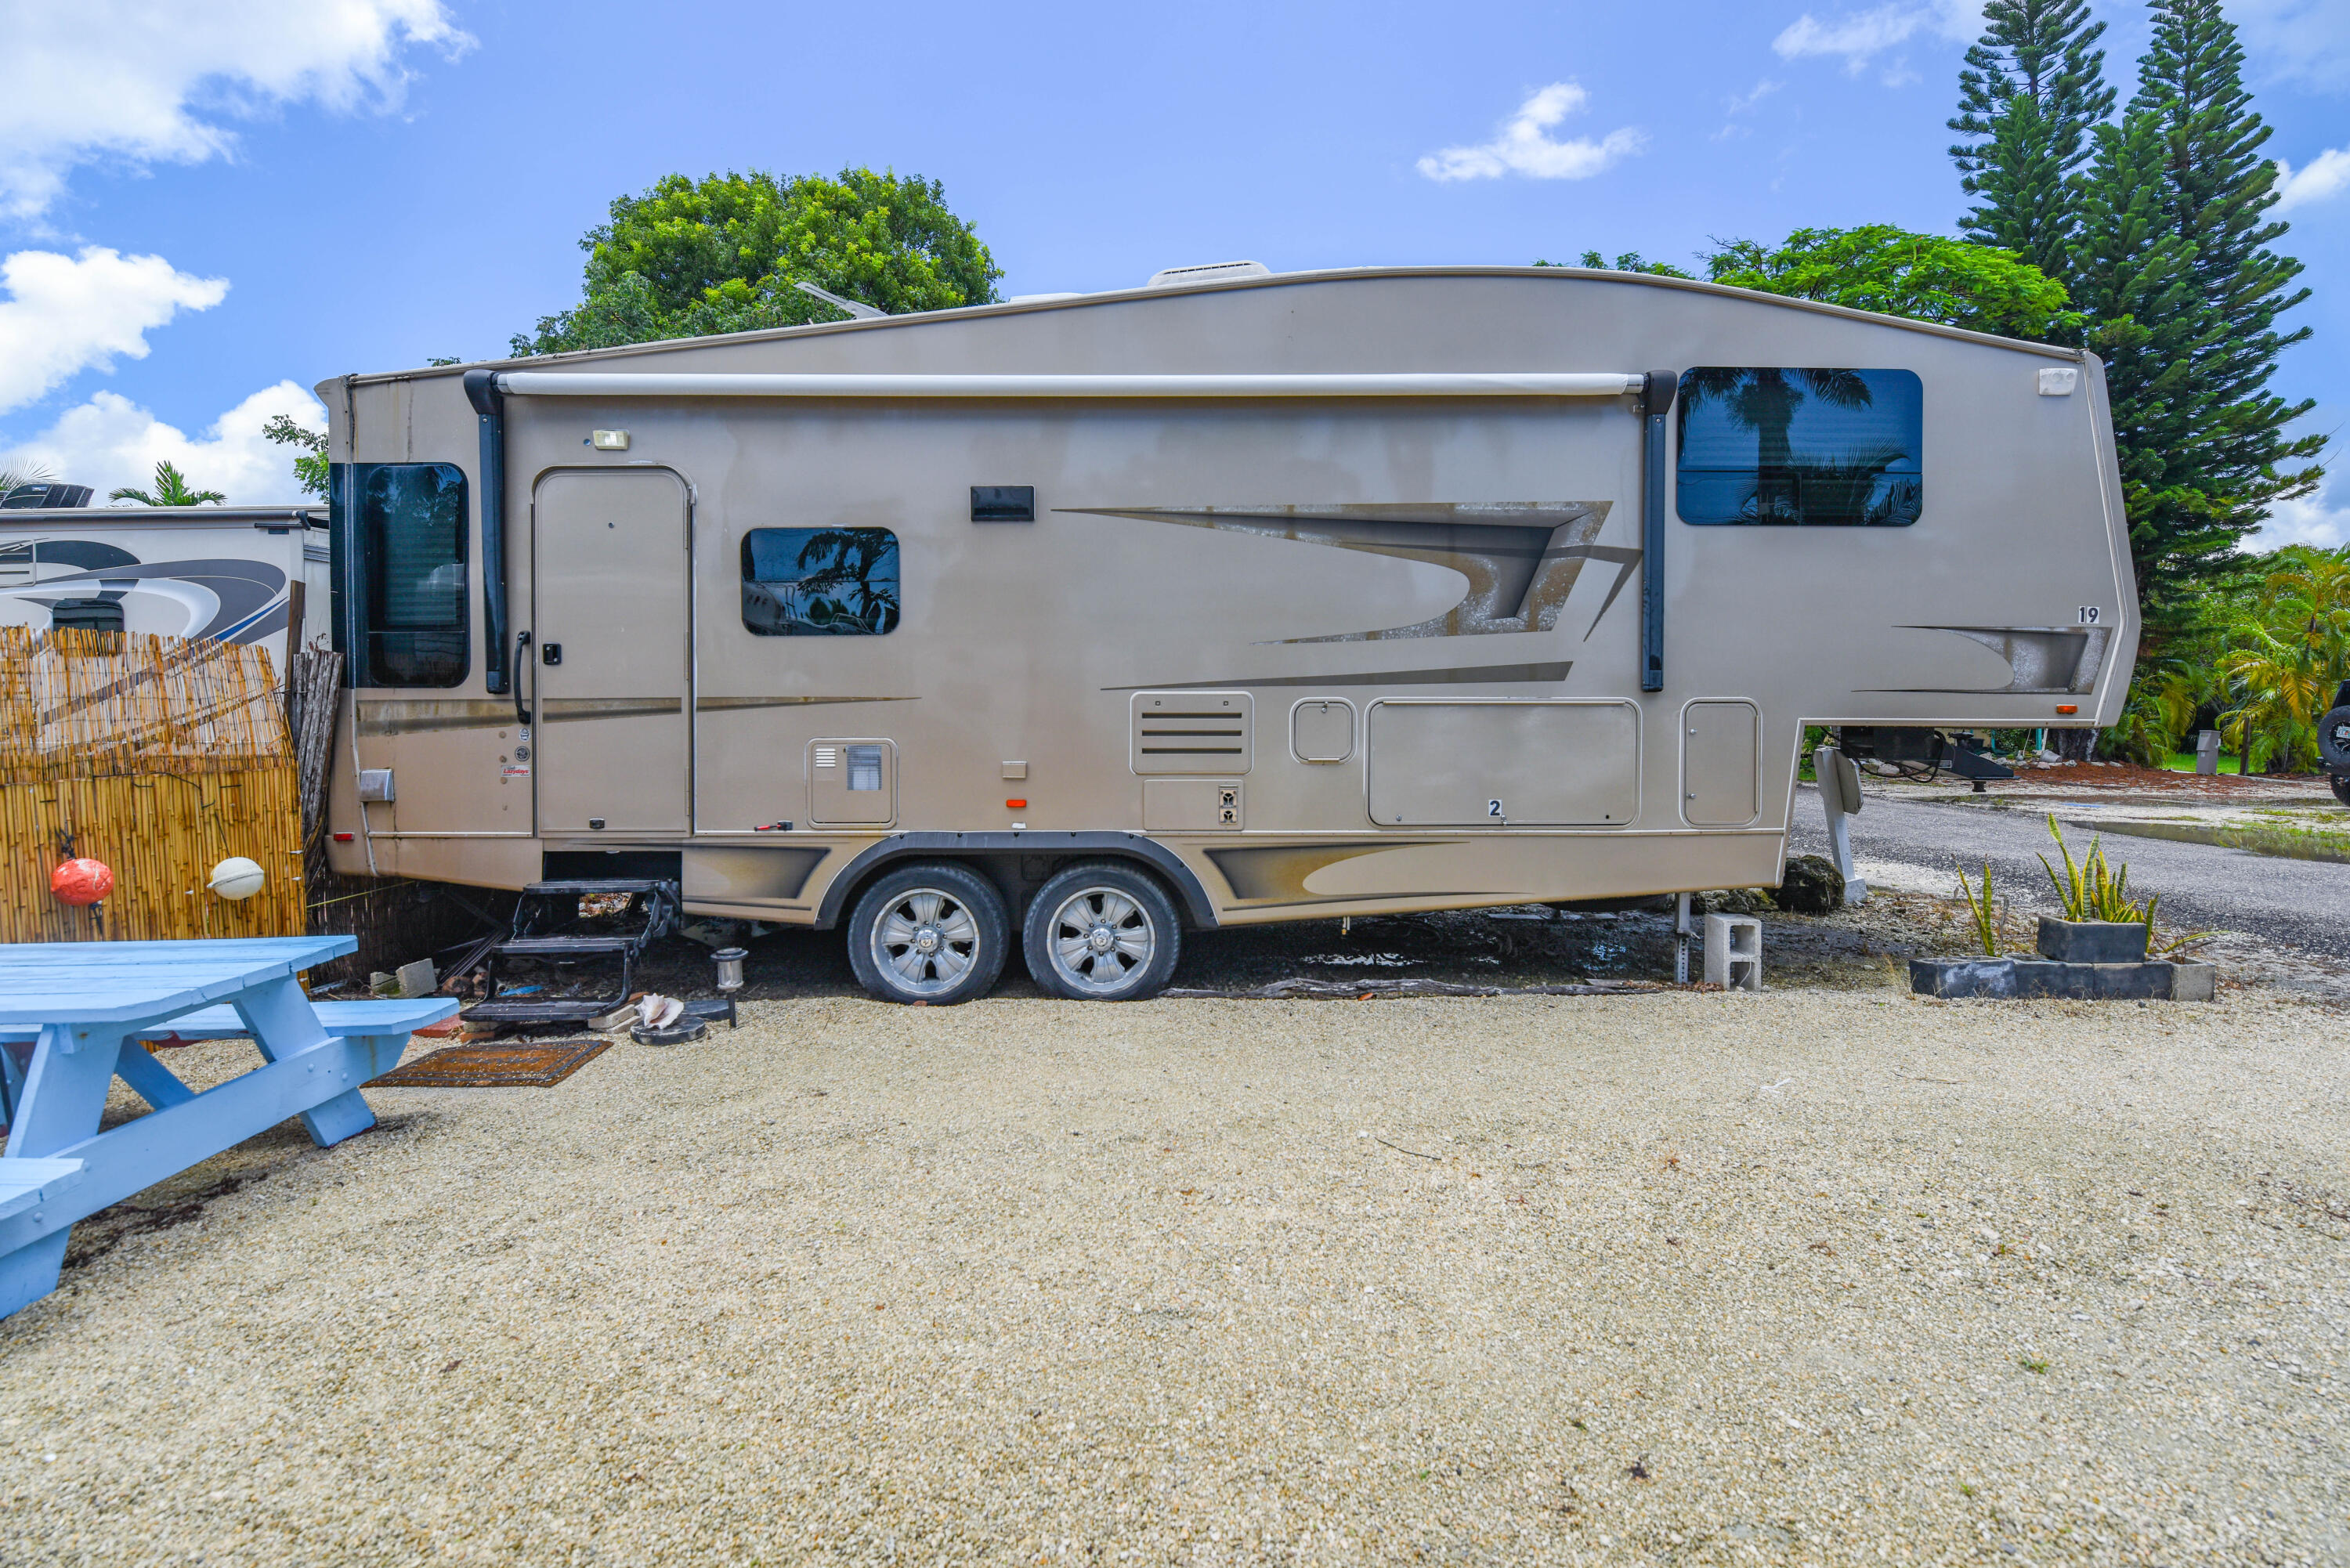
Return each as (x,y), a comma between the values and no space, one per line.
(537,1064)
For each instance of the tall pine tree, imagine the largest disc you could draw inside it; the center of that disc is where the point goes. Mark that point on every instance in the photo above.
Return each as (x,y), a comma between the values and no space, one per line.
(2135,279)
(2218,189)
(2190,318)
(2032,90)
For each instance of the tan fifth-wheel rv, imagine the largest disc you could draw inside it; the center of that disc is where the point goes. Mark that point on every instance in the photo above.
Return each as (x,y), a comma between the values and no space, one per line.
(1071,623)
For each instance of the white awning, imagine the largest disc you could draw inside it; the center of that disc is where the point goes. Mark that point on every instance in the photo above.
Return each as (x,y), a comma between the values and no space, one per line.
(1398,384)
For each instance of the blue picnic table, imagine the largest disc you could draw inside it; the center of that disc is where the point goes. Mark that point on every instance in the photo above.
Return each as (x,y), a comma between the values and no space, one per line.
(73,1017)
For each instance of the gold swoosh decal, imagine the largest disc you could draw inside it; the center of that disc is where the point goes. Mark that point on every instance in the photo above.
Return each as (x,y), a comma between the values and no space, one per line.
(564,709)
(416,715)
(730,704)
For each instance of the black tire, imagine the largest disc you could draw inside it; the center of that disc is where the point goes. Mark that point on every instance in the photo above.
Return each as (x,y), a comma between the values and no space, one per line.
(2341,788)
(1102,931)
(951,907)
(2334,739)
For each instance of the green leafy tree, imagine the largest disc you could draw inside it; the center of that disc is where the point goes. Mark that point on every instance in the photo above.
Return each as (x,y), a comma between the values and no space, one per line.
(1630,261)
(310,462)
(171,490)
(2030,94)
(691,257)
(2287,651)
(1927,277)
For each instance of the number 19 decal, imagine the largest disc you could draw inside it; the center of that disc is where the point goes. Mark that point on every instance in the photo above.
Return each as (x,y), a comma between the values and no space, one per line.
(2091,615)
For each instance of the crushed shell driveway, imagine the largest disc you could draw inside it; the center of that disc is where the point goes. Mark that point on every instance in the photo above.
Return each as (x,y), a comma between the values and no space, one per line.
(1812,1276)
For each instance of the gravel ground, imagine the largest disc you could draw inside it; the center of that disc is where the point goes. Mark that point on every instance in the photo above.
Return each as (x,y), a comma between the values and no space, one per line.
(1813,1276)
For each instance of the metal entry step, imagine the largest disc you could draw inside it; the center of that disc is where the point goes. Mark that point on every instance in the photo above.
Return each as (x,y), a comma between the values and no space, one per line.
(545,928)
(564,947)
(538,1010)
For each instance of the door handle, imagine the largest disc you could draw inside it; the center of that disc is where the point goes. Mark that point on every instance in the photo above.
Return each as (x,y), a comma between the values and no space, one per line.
(522,659)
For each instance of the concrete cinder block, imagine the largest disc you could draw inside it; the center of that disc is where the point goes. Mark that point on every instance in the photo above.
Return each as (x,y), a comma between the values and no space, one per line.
(2091,941)
(1733,952)
(2025,978)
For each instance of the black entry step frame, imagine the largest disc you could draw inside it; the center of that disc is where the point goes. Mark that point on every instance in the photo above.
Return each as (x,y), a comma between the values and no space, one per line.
(546,926)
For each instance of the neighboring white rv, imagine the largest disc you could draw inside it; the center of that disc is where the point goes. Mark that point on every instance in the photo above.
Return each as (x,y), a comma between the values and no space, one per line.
(1063,624)
(240,574)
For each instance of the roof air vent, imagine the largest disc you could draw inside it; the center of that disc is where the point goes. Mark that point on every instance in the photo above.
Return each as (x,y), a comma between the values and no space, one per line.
(1214,272)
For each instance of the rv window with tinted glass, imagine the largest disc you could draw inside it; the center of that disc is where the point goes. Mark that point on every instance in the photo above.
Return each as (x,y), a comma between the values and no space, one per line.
(820,582)
(400,572)
(1781,445)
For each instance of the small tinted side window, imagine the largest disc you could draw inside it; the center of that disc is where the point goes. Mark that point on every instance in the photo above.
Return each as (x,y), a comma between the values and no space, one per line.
(398,547)
(820,582)
(1793,446)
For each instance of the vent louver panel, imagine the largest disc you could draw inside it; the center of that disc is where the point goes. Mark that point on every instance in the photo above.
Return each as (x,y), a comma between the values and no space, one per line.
(1193,733)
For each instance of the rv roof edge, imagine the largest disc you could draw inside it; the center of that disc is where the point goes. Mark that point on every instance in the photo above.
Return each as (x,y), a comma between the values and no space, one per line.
(1394,384)
(1023,303)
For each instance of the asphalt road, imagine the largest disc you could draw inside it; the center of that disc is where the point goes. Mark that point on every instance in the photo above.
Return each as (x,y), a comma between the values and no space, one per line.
(2301,904)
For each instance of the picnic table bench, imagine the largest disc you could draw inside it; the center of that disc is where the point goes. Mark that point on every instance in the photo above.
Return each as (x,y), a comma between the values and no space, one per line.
(73,1016)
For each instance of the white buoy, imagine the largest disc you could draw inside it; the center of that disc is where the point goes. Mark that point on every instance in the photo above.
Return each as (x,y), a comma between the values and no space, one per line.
(237,878)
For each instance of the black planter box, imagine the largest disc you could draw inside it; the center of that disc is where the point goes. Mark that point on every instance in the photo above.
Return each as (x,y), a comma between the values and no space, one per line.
(2091,941)
(2026,978)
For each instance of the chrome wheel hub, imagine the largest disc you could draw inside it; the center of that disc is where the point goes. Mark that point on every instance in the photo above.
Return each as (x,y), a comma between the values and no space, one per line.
(1098,940)
(926,941)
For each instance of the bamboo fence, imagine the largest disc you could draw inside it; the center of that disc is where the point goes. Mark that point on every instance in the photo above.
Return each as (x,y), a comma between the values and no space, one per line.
(159,756)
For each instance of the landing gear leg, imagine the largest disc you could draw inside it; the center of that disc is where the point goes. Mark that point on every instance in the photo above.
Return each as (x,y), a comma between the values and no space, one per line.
(1840,795)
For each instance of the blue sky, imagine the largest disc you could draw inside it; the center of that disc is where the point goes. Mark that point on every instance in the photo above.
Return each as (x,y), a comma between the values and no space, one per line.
(208,205)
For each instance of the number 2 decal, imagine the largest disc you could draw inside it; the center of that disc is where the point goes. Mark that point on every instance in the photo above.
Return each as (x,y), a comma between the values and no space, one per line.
(1492,808)
(2091,615)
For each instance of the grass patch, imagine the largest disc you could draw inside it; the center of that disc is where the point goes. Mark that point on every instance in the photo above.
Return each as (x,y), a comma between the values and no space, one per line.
(2184,762)
(2282,839)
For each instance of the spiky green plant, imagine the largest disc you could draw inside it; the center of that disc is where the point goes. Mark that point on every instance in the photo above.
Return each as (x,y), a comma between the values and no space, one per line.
(2093,889)
(1982,911)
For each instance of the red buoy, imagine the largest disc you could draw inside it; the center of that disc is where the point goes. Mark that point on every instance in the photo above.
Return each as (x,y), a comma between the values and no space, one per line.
(81,881)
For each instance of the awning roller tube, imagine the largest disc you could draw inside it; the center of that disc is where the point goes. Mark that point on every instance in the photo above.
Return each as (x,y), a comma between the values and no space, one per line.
(1395,384)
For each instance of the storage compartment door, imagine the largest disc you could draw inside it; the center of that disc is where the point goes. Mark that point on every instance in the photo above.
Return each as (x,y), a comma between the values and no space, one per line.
(852,783)
(1718,785)
(1505,765)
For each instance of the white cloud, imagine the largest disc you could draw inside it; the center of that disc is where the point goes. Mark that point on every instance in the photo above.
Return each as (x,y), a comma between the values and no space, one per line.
(2323,520)
(1741,103)
(65,313)
(109,441)
(152,80)
(2305,41)
(1524,146)
(1858,37)
(2326,175)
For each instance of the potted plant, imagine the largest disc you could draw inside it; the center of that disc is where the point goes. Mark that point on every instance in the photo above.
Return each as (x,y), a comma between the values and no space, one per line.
(2101,924)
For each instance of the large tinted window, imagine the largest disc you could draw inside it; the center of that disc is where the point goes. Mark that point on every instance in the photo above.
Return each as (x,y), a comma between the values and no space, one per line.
(820,582)
(1779,445)
(400,572)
